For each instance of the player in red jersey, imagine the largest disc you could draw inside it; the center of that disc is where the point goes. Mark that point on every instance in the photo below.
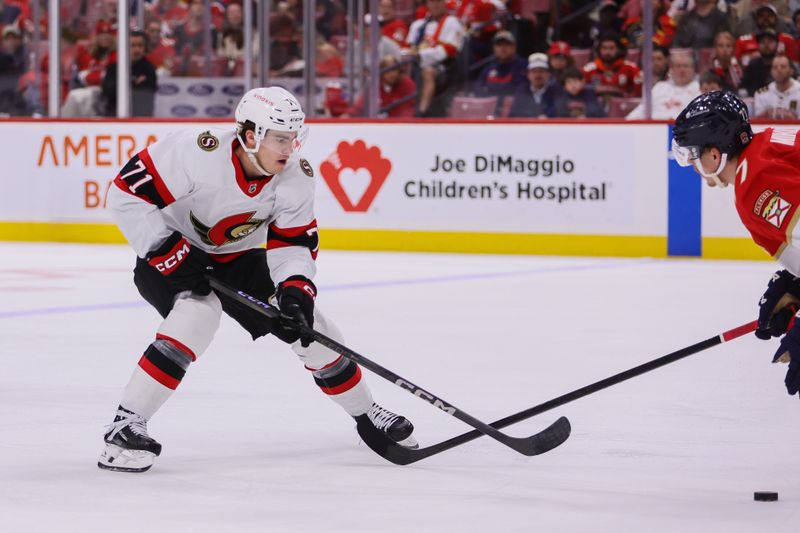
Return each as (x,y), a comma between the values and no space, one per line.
(713,134)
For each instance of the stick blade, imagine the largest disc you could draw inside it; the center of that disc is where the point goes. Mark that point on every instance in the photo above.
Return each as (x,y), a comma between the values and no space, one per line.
(551,437)
(379,443)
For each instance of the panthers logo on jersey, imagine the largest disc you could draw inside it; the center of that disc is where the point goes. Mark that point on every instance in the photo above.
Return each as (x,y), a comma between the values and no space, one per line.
(229,229)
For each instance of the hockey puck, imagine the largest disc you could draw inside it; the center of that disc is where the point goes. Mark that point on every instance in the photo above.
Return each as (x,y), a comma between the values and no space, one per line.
(765,496)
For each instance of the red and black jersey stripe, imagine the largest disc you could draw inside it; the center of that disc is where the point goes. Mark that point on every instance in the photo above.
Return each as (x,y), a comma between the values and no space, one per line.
(305,236)
(140,178)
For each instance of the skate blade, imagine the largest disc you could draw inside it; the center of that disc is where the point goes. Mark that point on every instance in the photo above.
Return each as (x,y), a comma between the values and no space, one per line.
(409,442)
(119,459)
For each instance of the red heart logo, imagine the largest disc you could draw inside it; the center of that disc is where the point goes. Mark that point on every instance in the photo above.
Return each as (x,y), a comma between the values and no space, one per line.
(355,156)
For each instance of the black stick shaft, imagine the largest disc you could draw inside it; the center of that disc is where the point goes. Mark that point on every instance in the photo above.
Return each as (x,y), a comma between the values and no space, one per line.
(600,385)
(521,445)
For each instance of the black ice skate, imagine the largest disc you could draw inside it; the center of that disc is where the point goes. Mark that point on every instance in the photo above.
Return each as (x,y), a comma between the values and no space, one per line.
(128,446)
(396,427)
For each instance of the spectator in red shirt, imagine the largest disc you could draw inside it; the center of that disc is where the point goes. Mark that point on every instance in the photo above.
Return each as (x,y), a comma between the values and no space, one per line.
(398,93)
(392,26)
(91,65)
(610,74)
(724,63)
(92,62)
(173,13)
(161,50)
(766,17)
(189,36)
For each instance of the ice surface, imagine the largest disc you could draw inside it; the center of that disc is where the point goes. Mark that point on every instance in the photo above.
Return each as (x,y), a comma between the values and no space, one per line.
(251,445)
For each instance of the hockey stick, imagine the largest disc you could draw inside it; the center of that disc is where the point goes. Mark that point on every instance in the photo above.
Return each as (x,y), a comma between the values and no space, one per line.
(536,444)
(404,456)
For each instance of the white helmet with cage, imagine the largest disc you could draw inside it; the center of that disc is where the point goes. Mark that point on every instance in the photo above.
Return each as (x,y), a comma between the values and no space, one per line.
(269,108)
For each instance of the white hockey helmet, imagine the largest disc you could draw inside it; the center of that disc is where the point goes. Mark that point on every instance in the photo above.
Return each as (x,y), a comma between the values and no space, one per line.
(269,108)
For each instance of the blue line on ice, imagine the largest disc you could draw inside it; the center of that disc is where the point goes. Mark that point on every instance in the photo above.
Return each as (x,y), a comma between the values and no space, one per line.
(606,265)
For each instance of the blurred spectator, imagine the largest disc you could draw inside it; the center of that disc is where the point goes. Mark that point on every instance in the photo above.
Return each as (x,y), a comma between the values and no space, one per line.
(397,96)
(710,81)
(671,96)
(143,81)
(761,9)
(505,72)
(477,17)
(766,17)
(757,73)
(161,51)
(436,40)
(697,28)
(780,98)
(386,45)
(796,23)
(392,26)
(92,62)
(90,66)
(660,63)
(231,44)
(538,97)
(189,36)
(13,64)
(663,27)
(607,20)
(610,74)
(173,13)
(560,56)
(724,64)
(284,51)
(577,100)
(329,61)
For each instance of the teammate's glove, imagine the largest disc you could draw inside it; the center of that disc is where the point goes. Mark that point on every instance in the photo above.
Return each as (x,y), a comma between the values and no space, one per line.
(772,322)
(790,348)
(183,266)
(296,301)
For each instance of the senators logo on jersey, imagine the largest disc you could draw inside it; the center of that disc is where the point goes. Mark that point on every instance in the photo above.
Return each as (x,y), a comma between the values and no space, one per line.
(207,141)
(229,229)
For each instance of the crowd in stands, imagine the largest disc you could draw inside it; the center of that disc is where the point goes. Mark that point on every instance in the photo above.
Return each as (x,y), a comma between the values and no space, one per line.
(438,58)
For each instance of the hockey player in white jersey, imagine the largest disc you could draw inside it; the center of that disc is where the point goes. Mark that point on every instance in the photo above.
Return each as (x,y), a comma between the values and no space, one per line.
(204,203)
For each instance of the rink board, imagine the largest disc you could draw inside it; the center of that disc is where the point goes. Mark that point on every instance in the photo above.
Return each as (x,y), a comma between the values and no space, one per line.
(499,187)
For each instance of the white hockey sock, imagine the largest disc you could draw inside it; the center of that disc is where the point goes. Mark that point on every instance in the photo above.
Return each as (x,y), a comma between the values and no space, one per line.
(144,395)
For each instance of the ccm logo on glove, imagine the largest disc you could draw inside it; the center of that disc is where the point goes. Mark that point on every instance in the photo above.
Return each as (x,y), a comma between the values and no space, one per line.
(169,262)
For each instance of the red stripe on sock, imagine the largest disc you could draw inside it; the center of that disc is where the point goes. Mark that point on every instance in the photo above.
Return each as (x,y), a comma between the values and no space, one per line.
(346,386)
(178,344)
(157,374)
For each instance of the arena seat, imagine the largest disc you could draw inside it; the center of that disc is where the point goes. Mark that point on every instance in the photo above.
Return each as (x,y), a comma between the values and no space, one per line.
(472,107)
(619,107)
(581,56)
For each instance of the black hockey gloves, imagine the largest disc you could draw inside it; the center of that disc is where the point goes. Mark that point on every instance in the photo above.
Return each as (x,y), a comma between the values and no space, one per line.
(790,346)
(183,266)
(783,282)
(296,300)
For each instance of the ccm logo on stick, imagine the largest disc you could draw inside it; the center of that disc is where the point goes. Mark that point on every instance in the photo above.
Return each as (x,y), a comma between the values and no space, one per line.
(428,397)
(174,260)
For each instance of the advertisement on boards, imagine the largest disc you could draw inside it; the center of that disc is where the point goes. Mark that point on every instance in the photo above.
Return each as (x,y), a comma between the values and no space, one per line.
(514,178)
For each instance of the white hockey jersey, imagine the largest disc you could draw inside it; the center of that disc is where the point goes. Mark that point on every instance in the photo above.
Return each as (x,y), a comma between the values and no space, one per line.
(769,98)
(193,182)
